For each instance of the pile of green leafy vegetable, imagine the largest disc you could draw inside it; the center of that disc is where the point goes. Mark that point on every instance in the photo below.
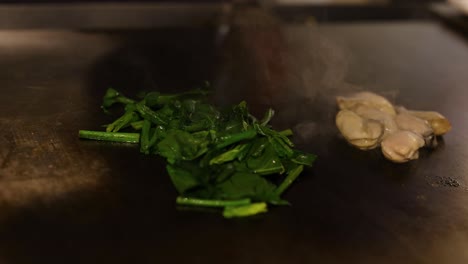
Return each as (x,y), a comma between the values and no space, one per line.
(216,158)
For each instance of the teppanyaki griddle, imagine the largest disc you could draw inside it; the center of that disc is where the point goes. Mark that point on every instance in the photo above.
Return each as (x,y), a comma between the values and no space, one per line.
(65,200)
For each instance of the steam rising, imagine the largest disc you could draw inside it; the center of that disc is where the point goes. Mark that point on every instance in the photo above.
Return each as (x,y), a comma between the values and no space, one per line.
(320,70)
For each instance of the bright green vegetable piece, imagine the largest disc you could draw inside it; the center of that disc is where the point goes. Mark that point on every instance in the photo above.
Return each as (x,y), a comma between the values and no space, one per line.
(245,210)
(110,136)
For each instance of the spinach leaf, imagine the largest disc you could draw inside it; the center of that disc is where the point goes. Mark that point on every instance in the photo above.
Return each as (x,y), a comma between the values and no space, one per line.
(267,163)
(112,97)
(247,185)
(182,179)
(181,145)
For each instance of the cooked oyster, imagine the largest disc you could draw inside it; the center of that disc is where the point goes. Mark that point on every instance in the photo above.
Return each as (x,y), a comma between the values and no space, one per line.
(408,122)
(367,120)
(360,132)
(402,146)
(439,123)
(368,99)
(371,113)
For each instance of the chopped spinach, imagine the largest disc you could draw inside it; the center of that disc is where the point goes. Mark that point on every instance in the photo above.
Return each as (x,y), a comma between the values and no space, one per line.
(216,158)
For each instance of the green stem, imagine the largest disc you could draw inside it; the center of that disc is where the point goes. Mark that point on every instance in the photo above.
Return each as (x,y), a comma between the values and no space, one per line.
(110,136)
(292,175)
(268,115)
(145,135)
(124,100)
(121,122)
(151,115)
(210,203)
(272,170)
(286,133)
(234,138)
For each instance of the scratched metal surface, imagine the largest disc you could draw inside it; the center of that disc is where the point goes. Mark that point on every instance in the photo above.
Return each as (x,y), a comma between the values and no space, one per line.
(63,200)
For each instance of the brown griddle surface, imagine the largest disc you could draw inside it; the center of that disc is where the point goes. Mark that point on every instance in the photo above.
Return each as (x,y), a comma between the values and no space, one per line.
(65,200)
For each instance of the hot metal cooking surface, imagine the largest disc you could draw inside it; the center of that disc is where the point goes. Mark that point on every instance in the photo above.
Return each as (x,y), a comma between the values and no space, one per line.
(64,200)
